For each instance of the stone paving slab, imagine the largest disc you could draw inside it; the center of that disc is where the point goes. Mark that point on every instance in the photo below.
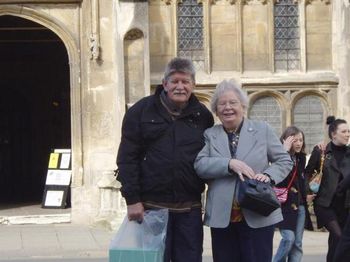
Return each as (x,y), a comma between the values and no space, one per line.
(78,241)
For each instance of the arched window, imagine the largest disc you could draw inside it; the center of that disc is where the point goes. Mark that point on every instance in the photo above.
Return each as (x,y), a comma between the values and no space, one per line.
(308,115)
(268,109)
(190,32)
(134,66)
(287,36)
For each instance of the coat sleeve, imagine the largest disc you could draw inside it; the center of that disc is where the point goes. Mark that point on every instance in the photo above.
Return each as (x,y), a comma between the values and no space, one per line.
(209,166)
(313,164)
(129,156)
(280,161)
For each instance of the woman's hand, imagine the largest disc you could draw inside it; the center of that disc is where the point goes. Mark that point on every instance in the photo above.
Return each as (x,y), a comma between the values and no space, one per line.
(288,142)
(241,169)
(322,146)
(262,178)
(310,198)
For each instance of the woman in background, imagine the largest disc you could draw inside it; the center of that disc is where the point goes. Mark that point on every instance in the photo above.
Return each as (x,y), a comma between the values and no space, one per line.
(330,204)
(294,210)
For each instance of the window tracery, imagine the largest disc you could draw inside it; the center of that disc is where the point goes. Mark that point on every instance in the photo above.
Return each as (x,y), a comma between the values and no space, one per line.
(286,36)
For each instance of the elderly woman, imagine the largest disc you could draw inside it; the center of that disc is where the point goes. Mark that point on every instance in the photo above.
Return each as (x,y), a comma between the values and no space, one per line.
(238,149)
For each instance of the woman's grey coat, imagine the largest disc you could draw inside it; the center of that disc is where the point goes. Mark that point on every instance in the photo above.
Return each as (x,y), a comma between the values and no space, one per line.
(260,149)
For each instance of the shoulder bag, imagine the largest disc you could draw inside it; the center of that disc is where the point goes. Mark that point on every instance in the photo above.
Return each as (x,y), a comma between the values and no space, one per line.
(282,192)
(315,181)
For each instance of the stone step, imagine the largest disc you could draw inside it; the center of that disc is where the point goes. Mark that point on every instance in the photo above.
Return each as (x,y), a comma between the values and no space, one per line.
(36,219)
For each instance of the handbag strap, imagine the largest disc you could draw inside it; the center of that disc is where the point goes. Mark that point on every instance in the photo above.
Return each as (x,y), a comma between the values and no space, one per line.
(320,172)
(321,163)
(291,181)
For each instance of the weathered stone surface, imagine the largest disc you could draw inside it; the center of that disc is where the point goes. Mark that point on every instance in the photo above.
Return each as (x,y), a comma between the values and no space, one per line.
(237,43)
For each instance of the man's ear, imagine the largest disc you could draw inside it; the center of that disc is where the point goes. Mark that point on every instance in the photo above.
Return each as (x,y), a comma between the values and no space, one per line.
(165,83)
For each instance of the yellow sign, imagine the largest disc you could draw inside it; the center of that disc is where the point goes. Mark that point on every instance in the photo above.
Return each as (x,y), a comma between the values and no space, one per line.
(53,160)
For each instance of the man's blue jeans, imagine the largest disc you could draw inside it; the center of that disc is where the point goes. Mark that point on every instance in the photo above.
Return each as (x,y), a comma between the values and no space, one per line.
(291,248)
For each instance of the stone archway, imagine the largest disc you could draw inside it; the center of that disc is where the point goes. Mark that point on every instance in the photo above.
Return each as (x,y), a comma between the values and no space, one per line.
(62,101)
(35,106)
(70,42)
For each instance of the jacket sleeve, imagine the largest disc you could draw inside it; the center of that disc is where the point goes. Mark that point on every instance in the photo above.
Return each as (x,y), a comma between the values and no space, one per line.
(313,164)
(209,117)
(280,161)
(344,184)
(129,156)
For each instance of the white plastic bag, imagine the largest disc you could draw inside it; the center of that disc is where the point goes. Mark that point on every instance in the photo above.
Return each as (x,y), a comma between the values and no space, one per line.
(140,241)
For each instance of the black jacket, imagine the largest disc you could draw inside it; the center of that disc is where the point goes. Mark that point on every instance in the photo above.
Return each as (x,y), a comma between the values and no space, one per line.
(296,196)
(330,184)
(156,153)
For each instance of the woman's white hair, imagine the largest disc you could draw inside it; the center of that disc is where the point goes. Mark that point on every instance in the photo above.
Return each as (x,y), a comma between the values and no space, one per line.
(226,86)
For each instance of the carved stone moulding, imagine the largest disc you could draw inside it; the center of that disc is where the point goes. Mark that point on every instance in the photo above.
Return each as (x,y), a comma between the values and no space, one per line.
(134,34)
(309,2)
(38,1)
(168,2)
(264,2)
(230,1)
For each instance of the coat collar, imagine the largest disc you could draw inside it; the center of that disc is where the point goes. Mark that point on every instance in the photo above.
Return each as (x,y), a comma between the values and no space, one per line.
(193,107)
(246,143)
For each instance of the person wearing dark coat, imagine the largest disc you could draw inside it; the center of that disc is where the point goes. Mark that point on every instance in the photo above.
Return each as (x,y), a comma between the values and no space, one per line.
(342,253)
(161,137)
(295,212)
(330,205)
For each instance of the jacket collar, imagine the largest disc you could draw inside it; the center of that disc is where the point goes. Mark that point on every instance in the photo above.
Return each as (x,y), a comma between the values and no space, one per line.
(246,143)
(193,107)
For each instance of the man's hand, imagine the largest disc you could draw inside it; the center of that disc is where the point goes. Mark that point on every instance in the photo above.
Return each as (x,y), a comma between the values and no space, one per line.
(135,212)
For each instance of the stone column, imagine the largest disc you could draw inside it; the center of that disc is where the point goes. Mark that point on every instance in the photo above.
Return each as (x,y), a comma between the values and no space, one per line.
(341,57)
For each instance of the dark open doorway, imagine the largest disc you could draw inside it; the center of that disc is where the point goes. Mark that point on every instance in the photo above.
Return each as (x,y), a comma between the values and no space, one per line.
(34,106)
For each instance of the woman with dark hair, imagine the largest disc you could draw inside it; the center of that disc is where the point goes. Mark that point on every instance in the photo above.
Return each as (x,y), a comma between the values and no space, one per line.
(331,203)
(294,210)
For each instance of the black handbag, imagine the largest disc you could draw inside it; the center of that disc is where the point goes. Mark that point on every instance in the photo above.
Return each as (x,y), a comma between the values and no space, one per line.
(258,197)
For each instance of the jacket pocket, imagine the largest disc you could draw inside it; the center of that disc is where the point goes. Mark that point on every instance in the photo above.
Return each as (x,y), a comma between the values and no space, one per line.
(153,129)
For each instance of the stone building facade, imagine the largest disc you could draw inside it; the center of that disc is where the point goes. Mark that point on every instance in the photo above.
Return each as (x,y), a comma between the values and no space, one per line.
(292,57)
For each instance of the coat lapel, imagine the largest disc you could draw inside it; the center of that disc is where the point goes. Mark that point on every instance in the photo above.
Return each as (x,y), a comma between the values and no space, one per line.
(221,141)
(247,139)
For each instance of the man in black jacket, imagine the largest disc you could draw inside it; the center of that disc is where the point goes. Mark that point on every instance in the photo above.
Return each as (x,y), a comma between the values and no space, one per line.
(161,137)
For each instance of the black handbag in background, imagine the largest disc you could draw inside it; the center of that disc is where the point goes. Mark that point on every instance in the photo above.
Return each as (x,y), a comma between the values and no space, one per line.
(258,197)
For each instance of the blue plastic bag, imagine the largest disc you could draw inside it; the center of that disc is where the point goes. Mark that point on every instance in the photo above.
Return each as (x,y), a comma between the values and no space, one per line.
(141,242)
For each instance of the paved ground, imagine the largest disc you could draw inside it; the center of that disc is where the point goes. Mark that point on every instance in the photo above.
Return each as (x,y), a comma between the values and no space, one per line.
(82,242)
(50,241)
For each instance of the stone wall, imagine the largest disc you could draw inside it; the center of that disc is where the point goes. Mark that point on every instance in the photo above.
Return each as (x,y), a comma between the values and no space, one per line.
(118,50)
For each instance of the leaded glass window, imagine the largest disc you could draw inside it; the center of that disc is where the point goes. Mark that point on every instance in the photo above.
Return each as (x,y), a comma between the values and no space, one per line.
(190,32)
(308,114)
(267,108)
(287,36)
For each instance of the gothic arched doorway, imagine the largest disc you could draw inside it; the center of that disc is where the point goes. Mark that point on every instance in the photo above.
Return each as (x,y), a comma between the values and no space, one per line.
(35,111)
